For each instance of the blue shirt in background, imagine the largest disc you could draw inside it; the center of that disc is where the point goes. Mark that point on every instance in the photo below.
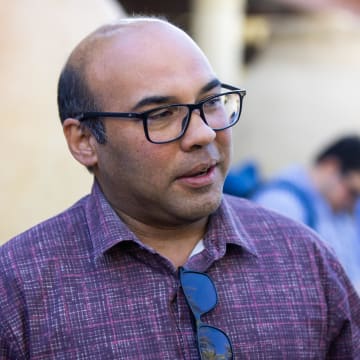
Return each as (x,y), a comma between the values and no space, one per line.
(340,230)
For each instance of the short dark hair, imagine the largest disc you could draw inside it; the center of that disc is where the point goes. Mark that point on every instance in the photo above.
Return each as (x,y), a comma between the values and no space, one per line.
(75,97)
(346,150)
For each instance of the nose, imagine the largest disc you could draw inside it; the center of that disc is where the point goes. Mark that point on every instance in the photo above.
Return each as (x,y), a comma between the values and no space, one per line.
(198,133)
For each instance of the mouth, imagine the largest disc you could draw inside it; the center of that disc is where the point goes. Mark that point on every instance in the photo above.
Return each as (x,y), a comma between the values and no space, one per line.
(199,170)
(203,172)
(199,176)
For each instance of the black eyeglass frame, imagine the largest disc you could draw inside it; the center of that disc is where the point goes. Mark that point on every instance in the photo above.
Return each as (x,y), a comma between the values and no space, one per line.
(144,115)
(197,315)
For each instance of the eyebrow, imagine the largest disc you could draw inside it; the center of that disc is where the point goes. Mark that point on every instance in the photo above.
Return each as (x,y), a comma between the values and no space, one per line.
(161,100)
(210,85)
(153,100)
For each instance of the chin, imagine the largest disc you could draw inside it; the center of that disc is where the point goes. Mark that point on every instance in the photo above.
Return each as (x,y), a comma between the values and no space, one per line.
(201,208)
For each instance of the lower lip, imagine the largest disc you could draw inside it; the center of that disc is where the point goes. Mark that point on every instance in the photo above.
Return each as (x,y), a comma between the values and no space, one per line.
(199,181)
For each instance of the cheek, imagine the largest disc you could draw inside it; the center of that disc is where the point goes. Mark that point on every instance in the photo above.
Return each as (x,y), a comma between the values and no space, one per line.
(147,163)
(341,197)
(224,138)
(343,192)
(126,143)
(224,141)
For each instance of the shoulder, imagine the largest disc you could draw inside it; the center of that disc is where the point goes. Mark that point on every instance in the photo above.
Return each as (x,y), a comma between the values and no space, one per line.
(32,262)
(289,198)
(271,231)
(283,243)
(51,236)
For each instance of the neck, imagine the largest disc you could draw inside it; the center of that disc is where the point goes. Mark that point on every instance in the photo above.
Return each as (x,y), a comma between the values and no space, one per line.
(173,242)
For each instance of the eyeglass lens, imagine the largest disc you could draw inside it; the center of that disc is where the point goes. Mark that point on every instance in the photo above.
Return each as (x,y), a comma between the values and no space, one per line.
(170,122)
(201,296)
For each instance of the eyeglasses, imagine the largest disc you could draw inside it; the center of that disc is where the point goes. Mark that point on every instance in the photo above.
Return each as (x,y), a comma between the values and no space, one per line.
(201,296)
(169,123)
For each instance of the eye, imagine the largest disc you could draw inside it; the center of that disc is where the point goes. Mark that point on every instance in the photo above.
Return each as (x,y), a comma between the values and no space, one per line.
(163,114)
(215,102)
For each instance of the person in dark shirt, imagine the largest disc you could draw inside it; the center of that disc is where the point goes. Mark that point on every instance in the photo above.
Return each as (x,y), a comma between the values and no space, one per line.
(156,263)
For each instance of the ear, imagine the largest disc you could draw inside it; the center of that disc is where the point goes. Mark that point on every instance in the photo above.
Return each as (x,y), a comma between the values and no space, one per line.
(81,142)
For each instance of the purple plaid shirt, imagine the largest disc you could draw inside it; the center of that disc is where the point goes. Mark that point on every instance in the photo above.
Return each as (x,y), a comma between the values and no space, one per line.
(82,286)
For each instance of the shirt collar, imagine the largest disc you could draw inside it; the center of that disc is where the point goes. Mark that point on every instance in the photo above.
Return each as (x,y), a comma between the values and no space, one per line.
(107,229)
(226,227)
(105,226)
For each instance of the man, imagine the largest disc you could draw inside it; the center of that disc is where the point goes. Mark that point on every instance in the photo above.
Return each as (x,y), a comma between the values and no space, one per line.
(324,197)
(155,263)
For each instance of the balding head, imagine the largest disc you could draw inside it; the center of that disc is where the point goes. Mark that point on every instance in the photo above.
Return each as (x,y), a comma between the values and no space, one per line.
(73,76)
(86,80)
(90,47)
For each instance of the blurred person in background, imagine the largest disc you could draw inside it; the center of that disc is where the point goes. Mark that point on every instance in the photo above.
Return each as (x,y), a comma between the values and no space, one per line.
(324,196)
(156,263)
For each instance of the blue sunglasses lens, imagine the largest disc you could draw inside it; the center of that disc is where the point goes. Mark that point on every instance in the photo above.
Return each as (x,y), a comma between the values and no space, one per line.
(214,343)
(200,292)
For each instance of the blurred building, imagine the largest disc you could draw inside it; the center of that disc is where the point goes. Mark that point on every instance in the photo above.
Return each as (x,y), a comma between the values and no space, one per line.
(302,76)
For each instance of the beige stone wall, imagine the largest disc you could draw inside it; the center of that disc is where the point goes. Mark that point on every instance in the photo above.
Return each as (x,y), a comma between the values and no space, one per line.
(303,90)
(222,43)
(39,178)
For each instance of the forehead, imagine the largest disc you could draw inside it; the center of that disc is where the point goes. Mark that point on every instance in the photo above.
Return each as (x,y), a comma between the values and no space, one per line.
(144,59)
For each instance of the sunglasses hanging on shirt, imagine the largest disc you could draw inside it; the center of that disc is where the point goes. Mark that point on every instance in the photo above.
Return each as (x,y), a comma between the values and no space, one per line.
(201,297)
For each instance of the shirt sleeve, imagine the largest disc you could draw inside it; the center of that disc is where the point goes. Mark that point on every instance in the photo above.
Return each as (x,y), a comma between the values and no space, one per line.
(343,335)
(10,317)
(7,352)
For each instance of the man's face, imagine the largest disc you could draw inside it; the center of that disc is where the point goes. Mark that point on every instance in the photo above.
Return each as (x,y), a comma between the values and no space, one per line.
(169,184)
(345,191)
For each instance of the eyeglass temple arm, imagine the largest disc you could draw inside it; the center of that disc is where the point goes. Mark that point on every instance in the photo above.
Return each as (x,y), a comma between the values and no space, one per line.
(229,87)
(234,88)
